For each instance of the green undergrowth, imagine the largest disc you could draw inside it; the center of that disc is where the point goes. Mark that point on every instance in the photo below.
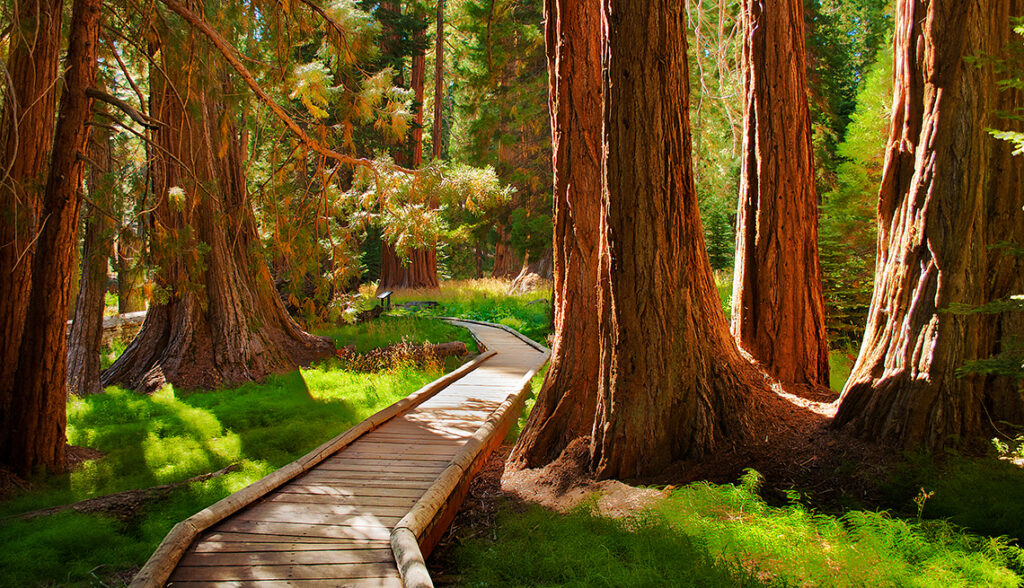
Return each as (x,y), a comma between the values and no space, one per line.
(706,535)
(387,330)
(484,300)
(168,437)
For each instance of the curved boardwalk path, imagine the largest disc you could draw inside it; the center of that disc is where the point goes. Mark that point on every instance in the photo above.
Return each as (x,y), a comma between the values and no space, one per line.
(331,525)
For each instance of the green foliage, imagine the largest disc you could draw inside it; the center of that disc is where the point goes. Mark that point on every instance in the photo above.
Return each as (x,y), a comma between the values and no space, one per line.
(388,330)
(847,226)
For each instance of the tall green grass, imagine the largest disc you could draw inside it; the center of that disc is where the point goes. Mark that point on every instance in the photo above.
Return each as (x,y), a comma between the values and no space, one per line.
(387,330)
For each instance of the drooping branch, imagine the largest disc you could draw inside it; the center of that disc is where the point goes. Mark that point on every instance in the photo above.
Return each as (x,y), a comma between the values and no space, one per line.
(135,115)
(229,53)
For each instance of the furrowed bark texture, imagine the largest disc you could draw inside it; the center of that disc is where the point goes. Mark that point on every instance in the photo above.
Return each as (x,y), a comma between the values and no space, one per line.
(565,406)
(778,313)
(86,335)
(26,137)
(39,402)
(672,382)
(438,81)
(218,321)
(949,192)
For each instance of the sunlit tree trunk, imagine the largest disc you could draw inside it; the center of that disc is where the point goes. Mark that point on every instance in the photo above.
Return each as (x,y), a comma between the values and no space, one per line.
(672,383)
(34,428)
(565,406)
(778,313)
(217,319)
(948,193)
(438,81)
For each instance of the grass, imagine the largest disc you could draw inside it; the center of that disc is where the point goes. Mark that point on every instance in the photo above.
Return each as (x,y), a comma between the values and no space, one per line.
(840,364)
(483,300)
(726,535)
(387,330)
(170,436)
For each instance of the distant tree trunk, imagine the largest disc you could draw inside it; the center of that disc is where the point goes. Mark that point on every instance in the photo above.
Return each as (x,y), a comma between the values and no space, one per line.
(506,262)
(438,80)
(478,255)
(217,320)
(35,436)
(420,271)
(946,194)
(130,270)
(778,313)
(86,335)
(26,137)
(672,382)
(565,406)
(532,269)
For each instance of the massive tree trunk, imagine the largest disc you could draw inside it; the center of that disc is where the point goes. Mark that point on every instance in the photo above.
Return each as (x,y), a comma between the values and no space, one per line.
(947,194)
(217,320)
(26,137)
(86,335)
(565,406)
(438,81)
(36,437)
(672,382)
(778,314)
(506,262)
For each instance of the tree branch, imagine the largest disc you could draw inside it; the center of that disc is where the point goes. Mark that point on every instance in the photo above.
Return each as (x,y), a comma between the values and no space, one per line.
(135,115)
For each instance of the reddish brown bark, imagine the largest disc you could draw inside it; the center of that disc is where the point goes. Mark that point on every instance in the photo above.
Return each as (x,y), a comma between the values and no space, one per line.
(506,262)
(438,80)
(39,403)
(565,406)
(26,136)
(418,81)
(86,334)
(130,269)
(420,271)
(672,383)
(217,320)
(778,313)
(947,194)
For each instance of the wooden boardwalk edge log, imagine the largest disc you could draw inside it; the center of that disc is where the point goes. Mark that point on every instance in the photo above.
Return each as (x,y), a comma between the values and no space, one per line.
(418,532)
(158,568)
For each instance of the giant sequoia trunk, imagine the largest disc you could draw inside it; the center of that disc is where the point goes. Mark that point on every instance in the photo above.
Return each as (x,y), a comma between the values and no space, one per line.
(86,335)
(778,314)
(948,193)
(26,136)
(672,382)
(438,81)
(506,262)
(565,406)
(34,435)
(217,320)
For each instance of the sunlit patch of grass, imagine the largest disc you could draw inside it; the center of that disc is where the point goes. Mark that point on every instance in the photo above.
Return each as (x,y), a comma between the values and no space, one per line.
(484,300)
(840,364)
(387,330)
(707,534)
(171,436)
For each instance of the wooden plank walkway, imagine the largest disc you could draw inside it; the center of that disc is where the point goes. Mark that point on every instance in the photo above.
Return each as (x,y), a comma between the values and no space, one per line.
(331,525)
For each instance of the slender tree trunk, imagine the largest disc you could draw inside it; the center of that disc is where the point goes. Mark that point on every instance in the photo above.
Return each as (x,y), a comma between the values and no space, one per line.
(778,313)
(86,335)
(672,383)
(565,406)
(39,404)
(478,255)
(418,82)
(947,192)
(26,137)
(438,81)
(218,320)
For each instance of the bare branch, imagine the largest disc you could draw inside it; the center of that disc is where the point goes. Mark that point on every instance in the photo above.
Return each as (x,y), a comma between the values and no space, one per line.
(135,115)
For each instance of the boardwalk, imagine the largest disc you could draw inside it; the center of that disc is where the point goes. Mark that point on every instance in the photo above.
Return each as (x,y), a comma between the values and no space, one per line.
(331,525)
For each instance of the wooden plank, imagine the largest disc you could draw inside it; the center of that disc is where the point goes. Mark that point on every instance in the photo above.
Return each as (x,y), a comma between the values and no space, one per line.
(359,500)
(349,491)
(339,510)
(231,537)
(401,449)
(392,582)
(356,484)
(361,477)
(266,546)
(376,532)
(285,572)
(378,461)
(318,519)
(293,558)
